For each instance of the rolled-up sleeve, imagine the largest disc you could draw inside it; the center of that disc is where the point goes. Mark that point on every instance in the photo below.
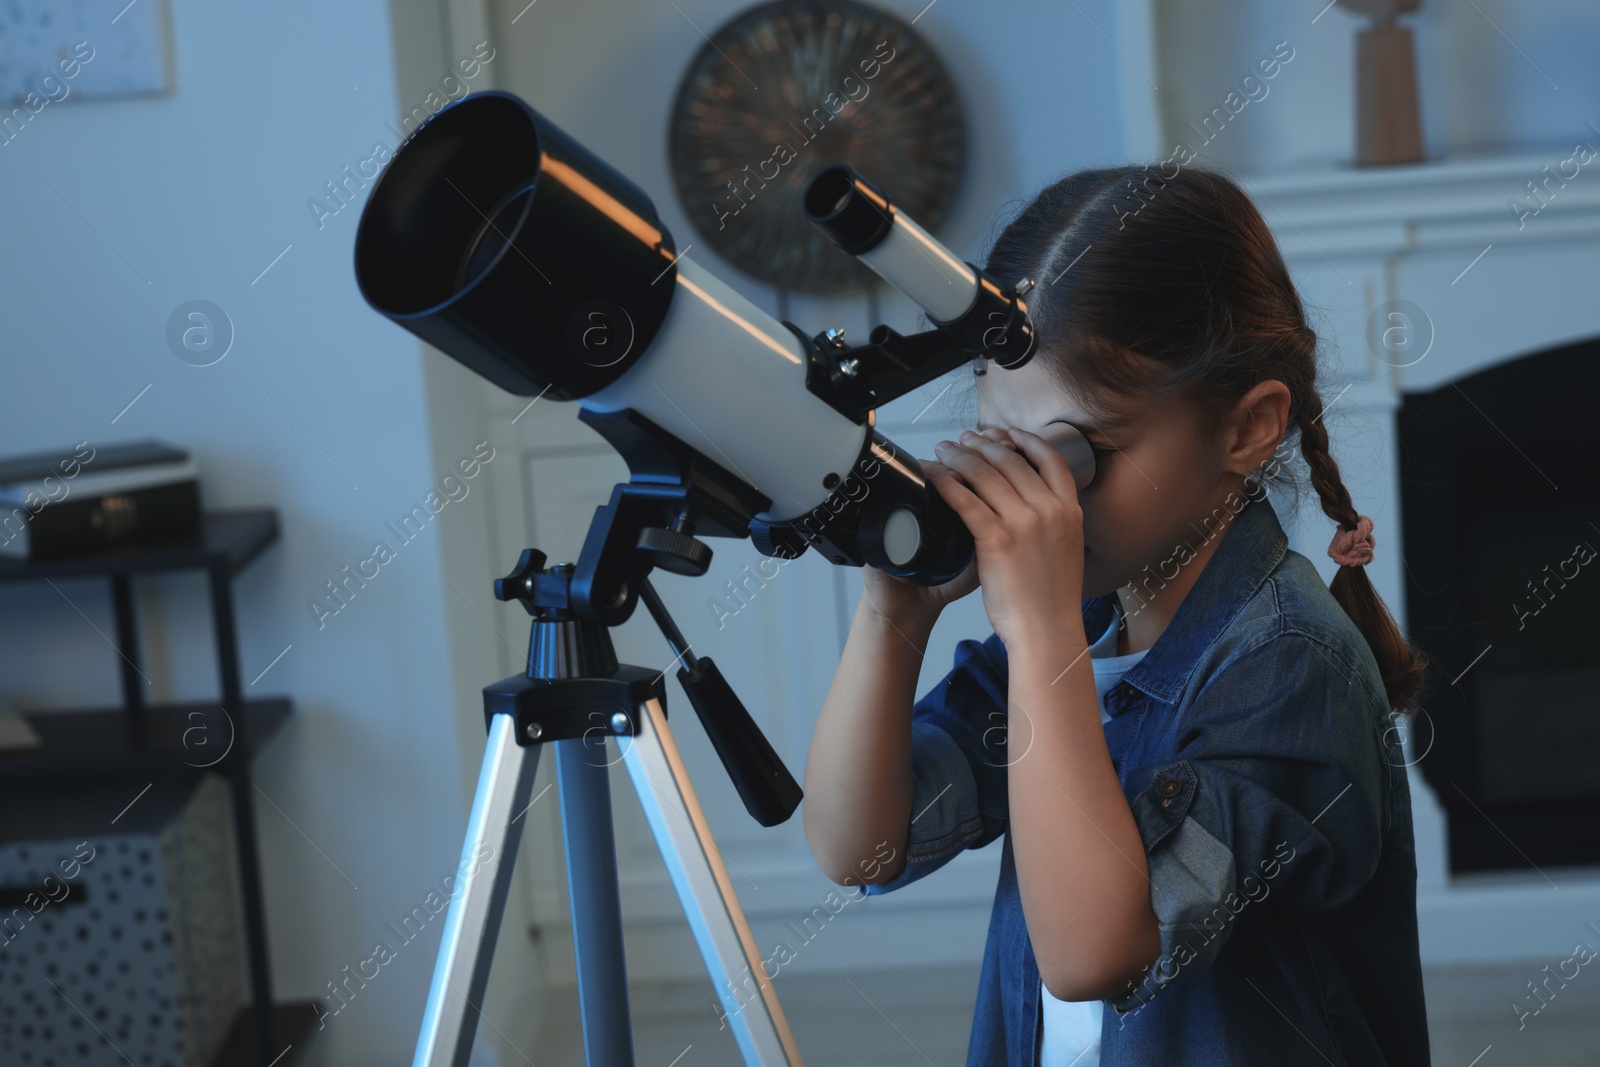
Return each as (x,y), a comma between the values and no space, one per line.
(1273,796)
(958,763)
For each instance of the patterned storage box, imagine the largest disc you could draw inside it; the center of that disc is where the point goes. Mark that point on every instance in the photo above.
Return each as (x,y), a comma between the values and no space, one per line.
(119,943)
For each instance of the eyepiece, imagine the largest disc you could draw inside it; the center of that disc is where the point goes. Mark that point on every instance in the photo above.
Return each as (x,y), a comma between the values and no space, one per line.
(850,209)
(860,219)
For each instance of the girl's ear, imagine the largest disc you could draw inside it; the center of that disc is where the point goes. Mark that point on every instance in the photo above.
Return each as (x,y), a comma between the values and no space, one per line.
(1260,419)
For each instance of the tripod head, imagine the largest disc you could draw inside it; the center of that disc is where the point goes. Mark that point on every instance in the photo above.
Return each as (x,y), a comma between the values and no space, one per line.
(573,677)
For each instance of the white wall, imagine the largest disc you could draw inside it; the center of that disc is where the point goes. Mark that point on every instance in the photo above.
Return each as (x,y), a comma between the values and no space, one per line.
(1492,75)
(320,409)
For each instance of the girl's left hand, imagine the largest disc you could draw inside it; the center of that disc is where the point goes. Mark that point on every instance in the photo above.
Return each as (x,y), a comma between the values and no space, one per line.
(1026,523)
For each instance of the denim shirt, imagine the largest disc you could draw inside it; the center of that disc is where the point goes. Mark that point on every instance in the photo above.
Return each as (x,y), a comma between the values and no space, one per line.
(1256,750)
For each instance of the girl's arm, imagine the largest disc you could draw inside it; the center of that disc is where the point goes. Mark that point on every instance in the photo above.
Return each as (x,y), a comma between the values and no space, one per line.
(858,771)
(1081,867)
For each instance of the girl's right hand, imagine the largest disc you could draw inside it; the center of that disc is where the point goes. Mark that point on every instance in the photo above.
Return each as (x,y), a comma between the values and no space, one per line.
(900,598)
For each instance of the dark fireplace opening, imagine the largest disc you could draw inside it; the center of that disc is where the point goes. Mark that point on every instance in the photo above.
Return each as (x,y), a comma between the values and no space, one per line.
(1500,500)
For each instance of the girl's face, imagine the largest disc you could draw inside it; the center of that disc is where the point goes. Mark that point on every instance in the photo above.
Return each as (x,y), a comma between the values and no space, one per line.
(1158,477)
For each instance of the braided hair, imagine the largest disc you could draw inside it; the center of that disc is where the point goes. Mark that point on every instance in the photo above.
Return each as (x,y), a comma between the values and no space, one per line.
(1181,269)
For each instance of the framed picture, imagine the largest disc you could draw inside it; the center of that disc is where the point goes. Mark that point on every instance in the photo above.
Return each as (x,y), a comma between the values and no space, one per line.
(54,50)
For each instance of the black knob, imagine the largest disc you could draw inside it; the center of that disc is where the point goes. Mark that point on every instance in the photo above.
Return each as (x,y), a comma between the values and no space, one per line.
(777,539)
(538,588)
(518,585)
(670,550)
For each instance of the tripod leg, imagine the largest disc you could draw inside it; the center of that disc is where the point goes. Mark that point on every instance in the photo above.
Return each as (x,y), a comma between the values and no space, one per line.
(596,903)
(450,1020)
(709,902)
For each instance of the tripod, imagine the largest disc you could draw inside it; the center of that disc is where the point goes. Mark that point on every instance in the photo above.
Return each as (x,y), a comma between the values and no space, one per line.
(573,689)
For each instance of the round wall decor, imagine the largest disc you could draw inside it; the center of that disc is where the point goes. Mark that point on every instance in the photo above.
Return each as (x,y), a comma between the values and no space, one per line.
(786,89)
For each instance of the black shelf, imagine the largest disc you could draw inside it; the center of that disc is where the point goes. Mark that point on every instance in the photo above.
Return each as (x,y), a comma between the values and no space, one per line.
(159,740)
(228,540)
(105,745)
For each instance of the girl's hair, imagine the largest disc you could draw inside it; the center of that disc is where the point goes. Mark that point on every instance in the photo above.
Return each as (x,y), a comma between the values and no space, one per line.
(1184,271)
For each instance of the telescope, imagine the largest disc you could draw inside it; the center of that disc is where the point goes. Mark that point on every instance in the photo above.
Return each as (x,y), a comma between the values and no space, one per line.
(500,240)
(504,243)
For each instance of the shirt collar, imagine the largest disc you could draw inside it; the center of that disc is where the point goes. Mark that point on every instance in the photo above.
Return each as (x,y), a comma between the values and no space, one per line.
(1253,543)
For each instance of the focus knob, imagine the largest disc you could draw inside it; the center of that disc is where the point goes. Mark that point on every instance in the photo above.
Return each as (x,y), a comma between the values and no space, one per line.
(779,539)
(670,550)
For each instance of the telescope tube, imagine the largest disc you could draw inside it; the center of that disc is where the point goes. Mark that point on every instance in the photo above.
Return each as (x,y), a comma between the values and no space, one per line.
(500,240)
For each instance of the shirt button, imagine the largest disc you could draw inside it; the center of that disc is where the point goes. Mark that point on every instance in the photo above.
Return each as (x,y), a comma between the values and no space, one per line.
(1169,788)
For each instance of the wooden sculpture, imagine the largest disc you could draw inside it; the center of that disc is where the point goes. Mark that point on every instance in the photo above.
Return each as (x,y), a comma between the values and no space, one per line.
(1388,126)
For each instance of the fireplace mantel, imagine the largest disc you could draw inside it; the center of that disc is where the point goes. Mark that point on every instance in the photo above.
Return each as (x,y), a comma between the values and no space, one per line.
(1436,204)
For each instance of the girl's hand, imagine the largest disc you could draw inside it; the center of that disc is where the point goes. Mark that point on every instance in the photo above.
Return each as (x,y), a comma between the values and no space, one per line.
(899,600)
(1027,525)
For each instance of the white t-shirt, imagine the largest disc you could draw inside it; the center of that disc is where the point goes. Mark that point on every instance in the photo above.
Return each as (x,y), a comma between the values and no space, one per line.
(1071,1036)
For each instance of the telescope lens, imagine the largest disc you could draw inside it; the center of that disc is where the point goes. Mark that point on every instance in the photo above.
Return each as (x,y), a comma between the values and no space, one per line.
(494,234)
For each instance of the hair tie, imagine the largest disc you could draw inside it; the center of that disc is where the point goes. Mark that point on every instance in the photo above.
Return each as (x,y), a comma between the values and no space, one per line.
(1353,548)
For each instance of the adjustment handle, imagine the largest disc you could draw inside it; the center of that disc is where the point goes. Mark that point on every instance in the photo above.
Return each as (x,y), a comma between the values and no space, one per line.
(680,553)
(519,584)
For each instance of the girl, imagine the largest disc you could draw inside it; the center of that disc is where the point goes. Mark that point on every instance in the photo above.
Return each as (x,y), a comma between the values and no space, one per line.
(1208,852)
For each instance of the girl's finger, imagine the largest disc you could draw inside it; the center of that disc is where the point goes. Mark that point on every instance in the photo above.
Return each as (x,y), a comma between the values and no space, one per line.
(1007,458)
(1052,464)
(992,487)
(1000,437)
(971,509)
